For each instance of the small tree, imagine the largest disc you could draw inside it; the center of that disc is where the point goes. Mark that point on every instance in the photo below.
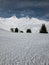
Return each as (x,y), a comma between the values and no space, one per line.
(43,29)
(11,29)
(28,31)
(16,30)
(21,31)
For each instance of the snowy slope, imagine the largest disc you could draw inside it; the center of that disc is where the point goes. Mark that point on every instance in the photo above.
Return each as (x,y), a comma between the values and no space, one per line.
(22,23)
(24,49)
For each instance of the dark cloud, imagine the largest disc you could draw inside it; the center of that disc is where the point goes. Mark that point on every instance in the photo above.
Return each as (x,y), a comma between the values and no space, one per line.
(17,7)
(23,3)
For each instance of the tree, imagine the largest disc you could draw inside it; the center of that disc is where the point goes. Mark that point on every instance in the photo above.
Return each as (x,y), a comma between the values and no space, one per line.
(16,30)
(11,30)
(28,31)
(43,29)
(21,31)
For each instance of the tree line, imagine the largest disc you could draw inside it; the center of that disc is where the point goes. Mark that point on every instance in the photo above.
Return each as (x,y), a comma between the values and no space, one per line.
(42,30)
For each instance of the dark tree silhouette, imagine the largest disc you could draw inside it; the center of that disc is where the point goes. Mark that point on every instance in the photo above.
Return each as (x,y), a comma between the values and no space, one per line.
(21,31)
(28,31)
(11,29)
(43,29)
(16,30)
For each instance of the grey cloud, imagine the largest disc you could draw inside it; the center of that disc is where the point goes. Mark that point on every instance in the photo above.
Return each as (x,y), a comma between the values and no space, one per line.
(23,3)
(33,4)
(10,7)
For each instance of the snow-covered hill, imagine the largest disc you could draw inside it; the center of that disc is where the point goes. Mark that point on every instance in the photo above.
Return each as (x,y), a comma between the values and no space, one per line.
(24,49)
(22,23)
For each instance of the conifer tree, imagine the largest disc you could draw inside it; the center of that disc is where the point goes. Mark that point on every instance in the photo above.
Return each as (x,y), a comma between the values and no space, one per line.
(28,31)
(43,29)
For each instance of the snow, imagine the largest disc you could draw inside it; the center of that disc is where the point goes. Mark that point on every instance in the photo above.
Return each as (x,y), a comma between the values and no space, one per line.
(23,48)
(22,23)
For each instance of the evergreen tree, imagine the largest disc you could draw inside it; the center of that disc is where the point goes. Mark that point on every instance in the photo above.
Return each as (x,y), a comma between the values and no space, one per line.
(16,30)
(11,29)
(28,31)
(21,31)
(43,29)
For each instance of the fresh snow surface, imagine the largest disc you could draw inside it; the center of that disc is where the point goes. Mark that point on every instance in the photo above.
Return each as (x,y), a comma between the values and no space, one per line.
(24,48)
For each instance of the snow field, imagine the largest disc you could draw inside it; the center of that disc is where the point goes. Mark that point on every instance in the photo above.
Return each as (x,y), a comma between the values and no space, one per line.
(24,49)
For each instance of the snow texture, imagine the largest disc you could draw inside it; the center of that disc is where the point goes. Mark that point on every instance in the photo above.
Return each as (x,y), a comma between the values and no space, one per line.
(23,48)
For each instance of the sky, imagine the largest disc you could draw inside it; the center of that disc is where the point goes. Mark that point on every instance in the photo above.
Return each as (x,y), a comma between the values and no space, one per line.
(21,8)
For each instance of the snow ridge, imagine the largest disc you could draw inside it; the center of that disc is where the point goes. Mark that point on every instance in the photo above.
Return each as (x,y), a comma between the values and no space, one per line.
(22,23)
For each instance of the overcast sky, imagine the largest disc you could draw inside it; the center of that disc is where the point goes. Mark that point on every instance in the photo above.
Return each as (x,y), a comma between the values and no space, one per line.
(36,6)
(23,3)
